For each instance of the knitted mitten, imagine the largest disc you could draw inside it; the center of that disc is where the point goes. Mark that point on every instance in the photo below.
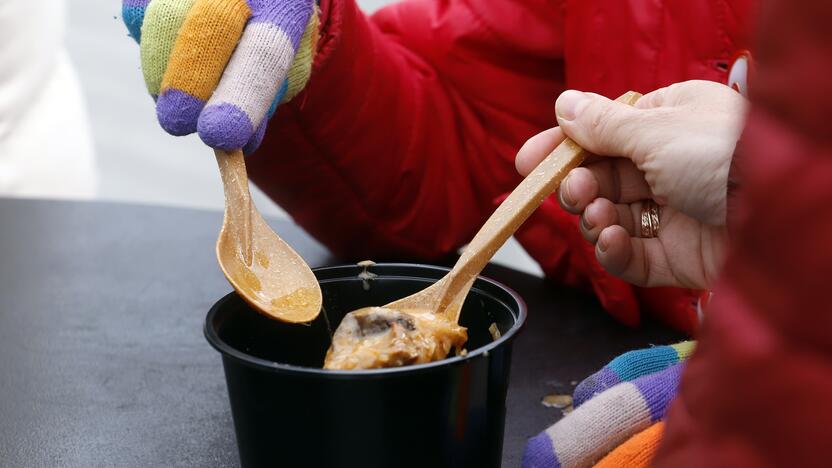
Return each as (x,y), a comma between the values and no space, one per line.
(637,451)
(602,423)
(631,365)
(132,12)
(221,67)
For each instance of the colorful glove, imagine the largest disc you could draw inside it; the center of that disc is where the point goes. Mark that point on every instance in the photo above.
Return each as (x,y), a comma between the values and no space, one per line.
(617,415)
(221,67)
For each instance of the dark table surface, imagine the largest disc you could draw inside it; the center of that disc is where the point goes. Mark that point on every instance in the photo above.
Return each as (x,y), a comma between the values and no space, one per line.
(103,362)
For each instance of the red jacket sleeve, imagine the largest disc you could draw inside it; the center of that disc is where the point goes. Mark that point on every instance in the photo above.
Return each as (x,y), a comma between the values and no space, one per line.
(757,390)
(409,126)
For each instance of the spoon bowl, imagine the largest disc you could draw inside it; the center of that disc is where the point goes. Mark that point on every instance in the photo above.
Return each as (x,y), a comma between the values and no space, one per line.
(261,267)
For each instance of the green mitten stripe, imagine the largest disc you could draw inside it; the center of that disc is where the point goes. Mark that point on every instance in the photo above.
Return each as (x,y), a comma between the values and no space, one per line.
(162,22)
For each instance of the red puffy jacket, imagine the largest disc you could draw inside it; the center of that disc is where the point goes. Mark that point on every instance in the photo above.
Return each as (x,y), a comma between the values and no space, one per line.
(407,131)
(758,390)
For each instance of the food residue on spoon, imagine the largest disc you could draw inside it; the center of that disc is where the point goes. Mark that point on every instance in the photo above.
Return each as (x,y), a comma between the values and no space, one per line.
(262,259)
(299,301)
(248,280)
(375,337)
(293,305)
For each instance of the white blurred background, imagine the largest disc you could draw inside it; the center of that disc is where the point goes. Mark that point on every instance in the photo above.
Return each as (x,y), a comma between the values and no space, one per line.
(136,160)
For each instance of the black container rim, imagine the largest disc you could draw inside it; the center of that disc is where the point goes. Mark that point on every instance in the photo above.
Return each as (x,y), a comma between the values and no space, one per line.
(227,350)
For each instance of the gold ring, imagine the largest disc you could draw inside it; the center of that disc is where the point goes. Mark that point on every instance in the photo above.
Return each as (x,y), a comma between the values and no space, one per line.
(654,219)
(649,219)
(645,222)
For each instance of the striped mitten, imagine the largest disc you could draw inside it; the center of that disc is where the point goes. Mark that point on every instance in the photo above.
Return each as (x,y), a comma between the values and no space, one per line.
(221,67)
(623,399)
(631,365)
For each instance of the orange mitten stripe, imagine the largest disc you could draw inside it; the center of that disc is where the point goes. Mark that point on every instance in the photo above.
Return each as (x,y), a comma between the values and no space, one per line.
(637,451)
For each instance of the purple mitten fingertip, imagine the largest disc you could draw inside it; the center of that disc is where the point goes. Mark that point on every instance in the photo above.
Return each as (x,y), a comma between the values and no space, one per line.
(178,111)
(225,126)
(256,139)
(540,453)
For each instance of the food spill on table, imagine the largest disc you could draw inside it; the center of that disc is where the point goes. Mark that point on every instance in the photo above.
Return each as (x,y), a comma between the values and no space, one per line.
(557,401)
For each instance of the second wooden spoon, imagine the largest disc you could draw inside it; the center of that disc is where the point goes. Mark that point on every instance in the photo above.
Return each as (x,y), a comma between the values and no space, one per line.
(423,327)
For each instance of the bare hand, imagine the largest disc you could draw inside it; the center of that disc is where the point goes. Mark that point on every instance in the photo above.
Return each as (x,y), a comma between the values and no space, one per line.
(674,147)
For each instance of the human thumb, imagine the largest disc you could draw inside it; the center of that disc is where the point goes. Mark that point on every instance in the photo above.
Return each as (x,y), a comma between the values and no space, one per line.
(598,124)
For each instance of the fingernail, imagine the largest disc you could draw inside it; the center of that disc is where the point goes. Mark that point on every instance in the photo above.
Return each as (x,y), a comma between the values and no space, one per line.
(602,246)
(587,226)
(569,104)
(565,196)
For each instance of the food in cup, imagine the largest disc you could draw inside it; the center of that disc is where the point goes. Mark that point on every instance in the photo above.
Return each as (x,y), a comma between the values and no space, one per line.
(377,337)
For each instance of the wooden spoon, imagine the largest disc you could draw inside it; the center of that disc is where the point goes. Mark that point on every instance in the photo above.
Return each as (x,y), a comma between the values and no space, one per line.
(365,327)
(263,269)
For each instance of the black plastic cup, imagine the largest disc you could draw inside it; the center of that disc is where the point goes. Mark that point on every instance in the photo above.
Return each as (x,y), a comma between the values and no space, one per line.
(289,412)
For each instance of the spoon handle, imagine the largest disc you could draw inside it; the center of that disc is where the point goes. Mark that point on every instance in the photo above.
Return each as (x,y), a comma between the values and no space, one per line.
(519,205)
(237,198)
